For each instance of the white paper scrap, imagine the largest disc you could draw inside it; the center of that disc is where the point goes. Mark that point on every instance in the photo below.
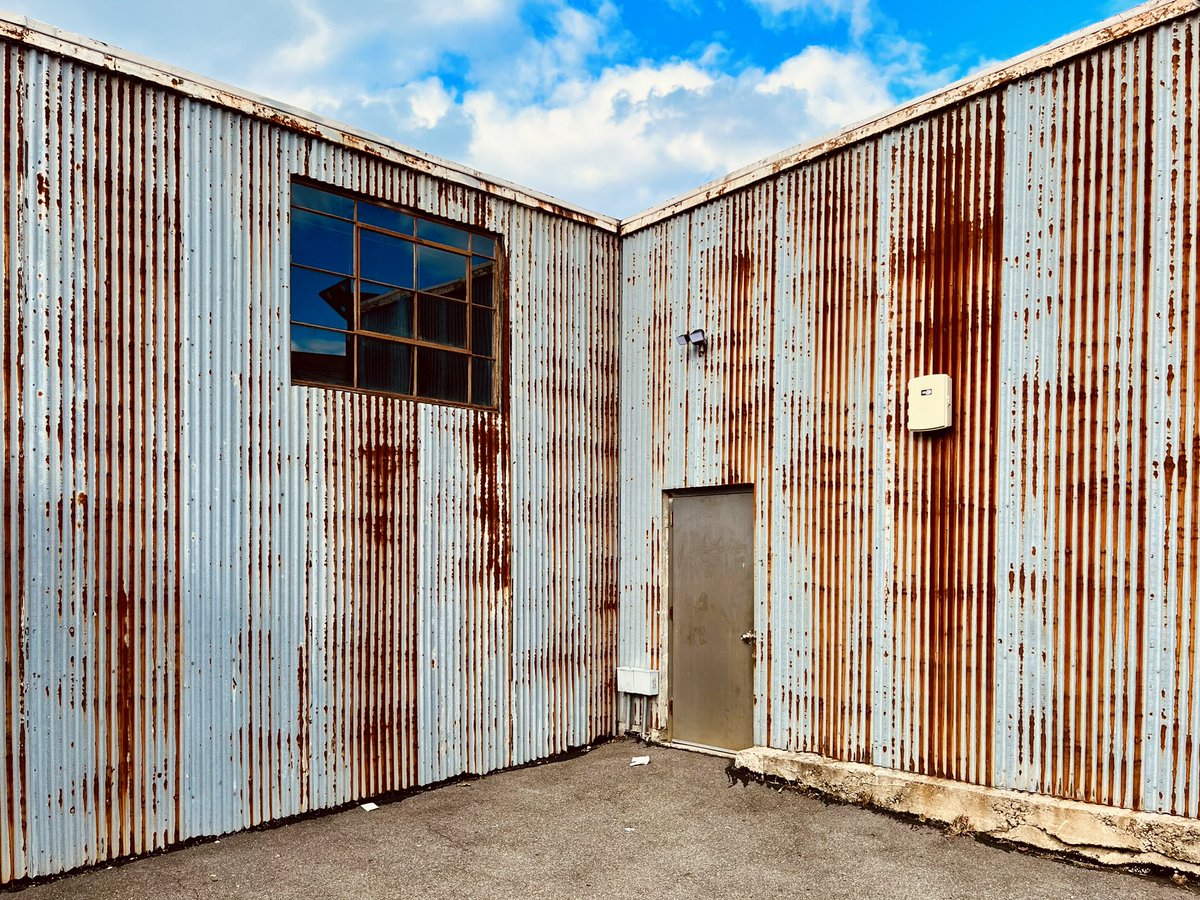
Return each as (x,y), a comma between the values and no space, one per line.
(639,761)
(370,807)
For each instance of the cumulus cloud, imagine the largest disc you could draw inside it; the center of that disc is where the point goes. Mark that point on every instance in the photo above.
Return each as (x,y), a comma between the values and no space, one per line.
(634,135)
(835,88)
(550,93)
(313,47)
(428,102)
(442,13)
(778,12)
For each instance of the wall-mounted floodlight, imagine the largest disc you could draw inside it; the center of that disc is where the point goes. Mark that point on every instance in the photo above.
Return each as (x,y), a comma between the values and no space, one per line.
(696,338)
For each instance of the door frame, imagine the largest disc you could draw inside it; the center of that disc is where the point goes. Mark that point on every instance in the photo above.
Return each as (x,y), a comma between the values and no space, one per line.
(665,714)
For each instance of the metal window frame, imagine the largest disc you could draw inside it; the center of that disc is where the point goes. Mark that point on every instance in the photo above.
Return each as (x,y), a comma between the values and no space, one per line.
(498,309)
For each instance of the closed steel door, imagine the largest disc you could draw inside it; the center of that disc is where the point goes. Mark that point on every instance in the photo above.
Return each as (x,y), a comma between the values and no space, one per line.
(712,619)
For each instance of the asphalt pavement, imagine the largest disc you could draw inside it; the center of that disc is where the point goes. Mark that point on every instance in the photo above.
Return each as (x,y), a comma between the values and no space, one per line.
(592,826)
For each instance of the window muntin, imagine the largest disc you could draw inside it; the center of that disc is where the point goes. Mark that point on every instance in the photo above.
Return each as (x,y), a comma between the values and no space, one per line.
(386,301)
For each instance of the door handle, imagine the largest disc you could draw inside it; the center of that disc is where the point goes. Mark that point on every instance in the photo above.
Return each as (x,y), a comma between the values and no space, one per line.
(750,637)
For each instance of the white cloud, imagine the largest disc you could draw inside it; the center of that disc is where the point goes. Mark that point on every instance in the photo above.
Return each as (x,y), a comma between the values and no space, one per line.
(441,12)
(634,135)
(857,12)
(313,48)
(589,136)
(550,93)
(429,101)
(837,88)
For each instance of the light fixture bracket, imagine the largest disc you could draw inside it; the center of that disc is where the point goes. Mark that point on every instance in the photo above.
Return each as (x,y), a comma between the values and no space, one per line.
(695,338)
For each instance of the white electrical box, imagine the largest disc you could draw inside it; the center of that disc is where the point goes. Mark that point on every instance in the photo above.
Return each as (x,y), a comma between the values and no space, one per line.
(929,403)
(637,681)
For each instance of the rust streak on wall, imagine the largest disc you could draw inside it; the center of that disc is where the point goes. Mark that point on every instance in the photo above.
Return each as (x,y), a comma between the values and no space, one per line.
(946,267)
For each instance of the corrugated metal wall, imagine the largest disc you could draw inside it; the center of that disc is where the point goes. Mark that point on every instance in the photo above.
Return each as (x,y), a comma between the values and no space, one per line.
(227,599)
(1012,603)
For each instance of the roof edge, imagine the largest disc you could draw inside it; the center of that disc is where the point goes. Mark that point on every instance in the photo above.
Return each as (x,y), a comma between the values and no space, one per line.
(1140,18)
(32,33)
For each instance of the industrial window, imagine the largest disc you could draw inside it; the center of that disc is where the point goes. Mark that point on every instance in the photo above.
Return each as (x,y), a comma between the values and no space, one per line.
(387,301)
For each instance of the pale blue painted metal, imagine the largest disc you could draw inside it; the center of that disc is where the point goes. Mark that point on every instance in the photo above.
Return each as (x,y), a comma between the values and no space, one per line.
(229,600)
(1017,610)
(234,600)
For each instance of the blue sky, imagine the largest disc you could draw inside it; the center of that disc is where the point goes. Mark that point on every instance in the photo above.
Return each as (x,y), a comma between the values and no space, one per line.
(612,105)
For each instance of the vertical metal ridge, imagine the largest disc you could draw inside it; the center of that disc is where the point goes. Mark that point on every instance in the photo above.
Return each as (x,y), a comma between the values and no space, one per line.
(15,849)
(1012,603)
(941,203)
(98,776)
(228,599)
(1091,583)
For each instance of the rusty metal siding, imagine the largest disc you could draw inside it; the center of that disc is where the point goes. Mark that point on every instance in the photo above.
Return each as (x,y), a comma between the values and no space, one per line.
(1098,578)
(823,586)
(227,599)
(1012,603)
(1171,755)
(692,420)
(92,611)
(943,199)
(1078,571)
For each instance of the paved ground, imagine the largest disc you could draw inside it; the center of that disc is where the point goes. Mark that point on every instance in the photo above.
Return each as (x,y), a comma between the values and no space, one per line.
(593,827)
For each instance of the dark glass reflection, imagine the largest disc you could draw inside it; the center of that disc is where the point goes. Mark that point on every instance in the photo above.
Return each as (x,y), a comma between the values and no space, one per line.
(443,234)
(442,321)
(481,281)
(320,299)
(442,375)
(481,382)
(384,258)
(321,356)
(381,216)
(322,201)
(322,243)
(385,366)
(484,246)
(481,331)
(385,309)
(442,273)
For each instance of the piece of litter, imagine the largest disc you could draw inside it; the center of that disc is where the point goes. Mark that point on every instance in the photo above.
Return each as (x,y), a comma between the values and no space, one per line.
(629,829)
(370,807)
(639,761)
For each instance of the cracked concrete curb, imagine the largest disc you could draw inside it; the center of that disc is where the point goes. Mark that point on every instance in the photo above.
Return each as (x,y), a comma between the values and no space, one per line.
(1099,833)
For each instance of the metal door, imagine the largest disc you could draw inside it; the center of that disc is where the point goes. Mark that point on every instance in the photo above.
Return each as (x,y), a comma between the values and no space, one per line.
(712,646)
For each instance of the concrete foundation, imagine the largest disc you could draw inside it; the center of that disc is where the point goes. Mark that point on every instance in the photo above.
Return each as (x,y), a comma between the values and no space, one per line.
(1098,833)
